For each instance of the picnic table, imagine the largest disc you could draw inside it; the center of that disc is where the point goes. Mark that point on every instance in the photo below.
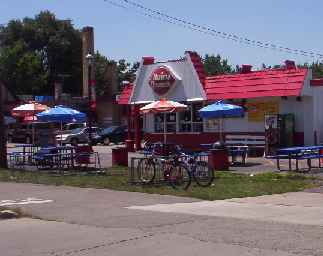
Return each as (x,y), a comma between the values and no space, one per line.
(55,156)
(299,153)
(23,154)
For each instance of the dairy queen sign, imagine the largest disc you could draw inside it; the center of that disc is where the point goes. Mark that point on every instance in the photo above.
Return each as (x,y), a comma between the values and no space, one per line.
(162,80)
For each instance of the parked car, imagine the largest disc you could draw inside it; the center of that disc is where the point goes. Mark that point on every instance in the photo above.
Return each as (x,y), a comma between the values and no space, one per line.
(36,132)
(78,135)
(114,134)
(71,126)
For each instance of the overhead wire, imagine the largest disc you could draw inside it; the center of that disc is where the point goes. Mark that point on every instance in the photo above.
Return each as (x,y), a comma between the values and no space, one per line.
(158,15)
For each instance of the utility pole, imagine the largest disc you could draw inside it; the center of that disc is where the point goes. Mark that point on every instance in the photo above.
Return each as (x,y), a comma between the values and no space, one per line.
(89,57)
(3,140)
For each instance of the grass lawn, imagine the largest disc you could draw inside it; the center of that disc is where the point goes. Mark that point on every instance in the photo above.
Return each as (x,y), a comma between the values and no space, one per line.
(226,185)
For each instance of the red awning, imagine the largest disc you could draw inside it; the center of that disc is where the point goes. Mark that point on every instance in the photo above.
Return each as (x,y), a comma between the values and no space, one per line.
(125,95)
(265,83)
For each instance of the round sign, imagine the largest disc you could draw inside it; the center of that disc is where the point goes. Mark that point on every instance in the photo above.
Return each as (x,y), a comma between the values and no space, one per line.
(162,80)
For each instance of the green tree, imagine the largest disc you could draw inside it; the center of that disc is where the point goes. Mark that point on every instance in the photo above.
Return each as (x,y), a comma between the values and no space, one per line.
(101,65)
(125,72)
(317,68)
(35,51)
(215,65)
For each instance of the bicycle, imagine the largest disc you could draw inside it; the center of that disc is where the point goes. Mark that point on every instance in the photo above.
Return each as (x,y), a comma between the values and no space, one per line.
(174,171)
(201,171)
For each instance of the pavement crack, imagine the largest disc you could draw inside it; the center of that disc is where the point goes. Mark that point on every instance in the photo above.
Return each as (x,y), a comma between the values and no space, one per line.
(76,251)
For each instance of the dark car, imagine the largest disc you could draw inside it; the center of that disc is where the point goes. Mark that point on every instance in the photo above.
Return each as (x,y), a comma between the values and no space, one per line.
(114,134)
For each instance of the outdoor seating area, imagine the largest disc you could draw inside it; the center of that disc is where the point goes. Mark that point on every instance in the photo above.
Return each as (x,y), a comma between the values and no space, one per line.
(54,158)
(307,153)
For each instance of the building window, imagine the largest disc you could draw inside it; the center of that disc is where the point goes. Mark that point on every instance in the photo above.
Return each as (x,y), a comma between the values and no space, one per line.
(197,120)
(185,120)
(190,121)
(170,122)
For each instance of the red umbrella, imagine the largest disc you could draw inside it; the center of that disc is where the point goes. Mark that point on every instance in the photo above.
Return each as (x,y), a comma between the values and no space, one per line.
(163,106)
(28,109)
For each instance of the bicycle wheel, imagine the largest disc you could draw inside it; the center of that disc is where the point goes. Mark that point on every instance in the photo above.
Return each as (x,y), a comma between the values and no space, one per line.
(203,174)
(180,177)
(146,171)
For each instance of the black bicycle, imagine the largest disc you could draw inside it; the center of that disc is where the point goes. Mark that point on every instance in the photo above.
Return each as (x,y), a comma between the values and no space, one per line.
(200,170)
(173,171)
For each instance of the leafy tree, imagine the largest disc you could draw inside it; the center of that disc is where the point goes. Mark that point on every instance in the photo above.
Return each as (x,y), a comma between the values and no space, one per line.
(126,71)
(35,51)
(215,65)
(317,69)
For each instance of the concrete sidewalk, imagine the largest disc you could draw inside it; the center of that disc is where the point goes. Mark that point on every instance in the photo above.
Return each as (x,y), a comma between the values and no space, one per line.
(297,208)
(95,222)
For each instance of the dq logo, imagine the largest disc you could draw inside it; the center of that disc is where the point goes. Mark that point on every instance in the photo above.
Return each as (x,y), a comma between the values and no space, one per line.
(162,80)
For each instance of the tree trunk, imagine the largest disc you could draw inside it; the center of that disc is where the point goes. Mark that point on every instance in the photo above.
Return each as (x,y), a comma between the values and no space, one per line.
(3,140)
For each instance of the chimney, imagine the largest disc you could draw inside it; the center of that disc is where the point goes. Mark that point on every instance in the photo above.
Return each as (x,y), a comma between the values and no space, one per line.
(246,68)
(148,60)
(290,64)
(87,47)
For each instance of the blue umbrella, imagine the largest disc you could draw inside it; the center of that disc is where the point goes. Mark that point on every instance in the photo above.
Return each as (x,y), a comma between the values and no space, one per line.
(221,110)
(61,114)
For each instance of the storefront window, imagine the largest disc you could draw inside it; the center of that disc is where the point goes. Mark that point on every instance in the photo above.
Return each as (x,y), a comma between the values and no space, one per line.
(197,120)
(190,121)
(170,122)
(185,120)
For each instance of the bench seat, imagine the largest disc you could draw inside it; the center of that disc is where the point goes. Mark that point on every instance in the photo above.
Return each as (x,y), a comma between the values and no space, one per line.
(255,143)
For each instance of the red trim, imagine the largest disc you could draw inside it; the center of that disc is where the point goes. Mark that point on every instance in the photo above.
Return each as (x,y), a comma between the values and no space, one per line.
(125,95)
(198,65)
(317,82)
(148,60)
(190,140)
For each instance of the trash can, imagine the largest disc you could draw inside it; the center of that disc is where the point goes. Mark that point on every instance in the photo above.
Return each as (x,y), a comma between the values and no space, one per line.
(321,153)
(219,157)
(120,156)
(130,145)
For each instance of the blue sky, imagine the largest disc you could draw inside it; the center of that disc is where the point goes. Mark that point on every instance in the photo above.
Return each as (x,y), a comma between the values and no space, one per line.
(121,33)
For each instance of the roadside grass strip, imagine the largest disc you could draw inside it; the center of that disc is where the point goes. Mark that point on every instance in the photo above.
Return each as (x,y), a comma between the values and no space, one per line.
(225,186)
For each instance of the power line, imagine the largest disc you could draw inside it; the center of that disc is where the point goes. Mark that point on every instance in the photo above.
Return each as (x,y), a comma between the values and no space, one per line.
(156,14)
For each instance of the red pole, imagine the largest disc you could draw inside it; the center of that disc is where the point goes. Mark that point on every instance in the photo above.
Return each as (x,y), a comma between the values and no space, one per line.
(137,128)
(129,115)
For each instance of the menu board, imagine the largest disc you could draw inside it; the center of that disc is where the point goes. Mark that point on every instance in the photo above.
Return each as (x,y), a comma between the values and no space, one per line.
(258,110)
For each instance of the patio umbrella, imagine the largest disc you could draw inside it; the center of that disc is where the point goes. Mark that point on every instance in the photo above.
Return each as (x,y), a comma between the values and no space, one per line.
(61,114)
(29,109)
(163,106)
(221,110)
(30,118)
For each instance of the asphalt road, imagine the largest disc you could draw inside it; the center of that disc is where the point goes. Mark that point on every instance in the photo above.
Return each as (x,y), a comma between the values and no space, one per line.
(93,222)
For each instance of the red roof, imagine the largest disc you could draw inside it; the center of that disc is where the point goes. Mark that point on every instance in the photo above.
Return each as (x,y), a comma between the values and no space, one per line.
(273,82)
(125,95)
(198,65)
